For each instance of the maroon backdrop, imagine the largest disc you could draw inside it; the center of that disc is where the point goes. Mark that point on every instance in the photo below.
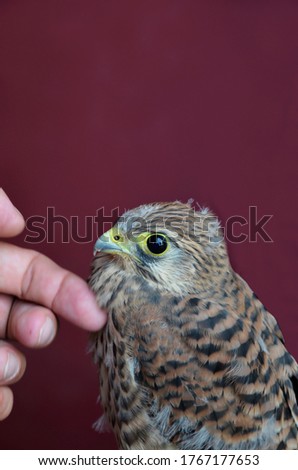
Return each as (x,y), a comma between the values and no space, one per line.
(113,103)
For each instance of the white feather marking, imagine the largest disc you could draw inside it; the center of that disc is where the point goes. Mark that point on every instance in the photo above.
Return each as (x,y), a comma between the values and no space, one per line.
(204,210)
(262,345)
(181,425)
(102,424)
(161,420)
(131,367)
(109,357)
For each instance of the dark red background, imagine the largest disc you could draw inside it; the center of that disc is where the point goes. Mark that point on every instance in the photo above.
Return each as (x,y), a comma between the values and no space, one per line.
(117,103)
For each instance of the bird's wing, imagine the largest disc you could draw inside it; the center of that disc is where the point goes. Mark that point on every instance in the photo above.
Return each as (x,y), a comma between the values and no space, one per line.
(218,373)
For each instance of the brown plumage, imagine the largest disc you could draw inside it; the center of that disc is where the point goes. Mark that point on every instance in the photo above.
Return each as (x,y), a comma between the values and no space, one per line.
(189,358)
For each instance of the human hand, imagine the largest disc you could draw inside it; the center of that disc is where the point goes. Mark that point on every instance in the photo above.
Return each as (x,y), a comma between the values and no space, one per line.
(33,289)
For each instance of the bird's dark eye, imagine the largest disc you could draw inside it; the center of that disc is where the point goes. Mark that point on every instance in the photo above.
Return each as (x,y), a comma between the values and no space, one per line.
(157,243)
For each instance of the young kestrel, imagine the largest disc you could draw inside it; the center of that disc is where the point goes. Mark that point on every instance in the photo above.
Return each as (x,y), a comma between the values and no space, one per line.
(189,358)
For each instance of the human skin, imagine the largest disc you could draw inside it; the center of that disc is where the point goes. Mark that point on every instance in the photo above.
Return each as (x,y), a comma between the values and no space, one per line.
(33,291)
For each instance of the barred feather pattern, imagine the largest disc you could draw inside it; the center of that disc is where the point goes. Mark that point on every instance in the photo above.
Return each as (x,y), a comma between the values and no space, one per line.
(190,360)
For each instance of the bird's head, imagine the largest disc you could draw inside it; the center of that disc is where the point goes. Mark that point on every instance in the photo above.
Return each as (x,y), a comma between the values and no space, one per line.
(170,244)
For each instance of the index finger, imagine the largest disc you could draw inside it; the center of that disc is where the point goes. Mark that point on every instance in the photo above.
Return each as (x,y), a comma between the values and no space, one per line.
(32,276)
(11,220)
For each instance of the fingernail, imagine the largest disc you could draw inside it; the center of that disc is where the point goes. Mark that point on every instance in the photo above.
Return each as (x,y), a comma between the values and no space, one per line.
(47,333)
(12,367)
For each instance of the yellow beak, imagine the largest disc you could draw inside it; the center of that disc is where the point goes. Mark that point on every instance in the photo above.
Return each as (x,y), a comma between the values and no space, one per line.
(110,242)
